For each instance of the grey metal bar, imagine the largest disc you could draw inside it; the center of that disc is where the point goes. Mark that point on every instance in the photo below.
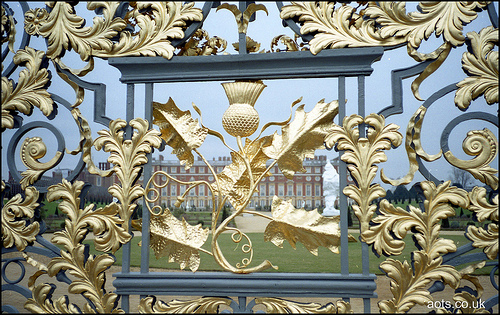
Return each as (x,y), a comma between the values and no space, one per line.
(128,135)
(242,37)
(147,175)
(255,284)
(297,64)
(344,241)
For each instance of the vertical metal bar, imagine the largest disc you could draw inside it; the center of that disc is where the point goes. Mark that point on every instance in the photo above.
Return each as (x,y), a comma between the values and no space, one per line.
(366,305)
(242,40)
(128,135)
(146,175)
(344,251)
(365,257)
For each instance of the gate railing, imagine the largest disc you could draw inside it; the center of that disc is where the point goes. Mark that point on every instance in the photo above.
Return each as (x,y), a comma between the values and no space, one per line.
(163,43)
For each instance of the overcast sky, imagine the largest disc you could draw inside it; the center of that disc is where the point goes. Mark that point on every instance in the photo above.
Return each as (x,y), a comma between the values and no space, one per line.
(274,102)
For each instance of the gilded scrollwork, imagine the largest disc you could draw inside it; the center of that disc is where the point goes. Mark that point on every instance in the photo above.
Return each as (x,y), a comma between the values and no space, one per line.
(481,64)
(481,237)
(16,231)
(362,154)
(157,22)
(203,305)
(243,19)
(32,150)
(483,145)
(30,89)
(201,44)
(281,306)
(409,281)
(385,24)
(127,156)
(88,269)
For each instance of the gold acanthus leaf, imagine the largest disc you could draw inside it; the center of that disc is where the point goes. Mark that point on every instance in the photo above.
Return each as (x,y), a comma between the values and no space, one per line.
(127,156)
(178,240)
(234,180)
(487,239)
(30,90)
(280,306)
(203,305)
(298,225)
(481,64)
(469,304)
(480,205)
(362,155)
(179,130)
(393,224)
(409,285)
(15,230)
(302,137)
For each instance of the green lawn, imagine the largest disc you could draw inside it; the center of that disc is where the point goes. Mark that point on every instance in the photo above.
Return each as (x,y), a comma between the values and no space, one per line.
(287,259)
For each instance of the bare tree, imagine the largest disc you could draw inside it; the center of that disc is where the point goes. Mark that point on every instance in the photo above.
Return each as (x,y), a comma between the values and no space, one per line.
(462,177)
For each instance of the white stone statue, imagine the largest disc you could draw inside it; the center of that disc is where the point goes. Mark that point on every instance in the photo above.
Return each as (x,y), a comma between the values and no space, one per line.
(330,190)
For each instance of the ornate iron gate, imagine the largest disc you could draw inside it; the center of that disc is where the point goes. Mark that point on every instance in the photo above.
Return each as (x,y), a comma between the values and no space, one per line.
(154,44)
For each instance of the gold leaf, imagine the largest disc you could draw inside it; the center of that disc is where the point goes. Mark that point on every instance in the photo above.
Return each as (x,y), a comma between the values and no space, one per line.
(362,155)
(300,138)
(280,306)
(481,64)
(32,150)
(203,305)
(298,225)
(15,231)
(480,205)
(30,90)
(178,240)
(179,130)
(235,178)
(470,302)
(487,239)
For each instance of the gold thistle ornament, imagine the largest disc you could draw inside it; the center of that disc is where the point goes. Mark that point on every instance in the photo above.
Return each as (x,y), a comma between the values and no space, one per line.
(241,119)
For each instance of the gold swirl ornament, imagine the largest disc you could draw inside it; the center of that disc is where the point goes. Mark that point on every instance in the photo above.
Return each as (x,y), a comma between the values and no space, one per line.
(241,119)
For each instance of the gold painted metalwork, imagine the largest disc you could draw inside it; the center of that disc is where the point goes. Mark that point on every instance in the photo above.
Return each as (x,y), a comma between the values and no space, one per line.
(127,156)
(30,89)
(298,225)
(15,230)
(409,281)
(362,154)
(89,270)
(481,64)
(32,150)
(209,46)
(483,144)
(481,237)
(243,19)
(239,180)
(385,24)
(280,306)
(203,305)
(8,30)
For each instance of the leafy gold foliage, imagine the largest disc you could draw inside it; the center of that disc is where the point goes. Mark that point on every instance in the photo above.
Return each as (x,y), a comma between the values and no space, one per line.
(179,130)
(481,64)
(409,282)
(235,179)
(203,305)
(89,270)
(275,306)
(32,150)
(158,22)
(300,138)
(362,154)
(127,156)
(178,240)
(30,90)
(484,238)
(298,225)
(242,19)
(16,231)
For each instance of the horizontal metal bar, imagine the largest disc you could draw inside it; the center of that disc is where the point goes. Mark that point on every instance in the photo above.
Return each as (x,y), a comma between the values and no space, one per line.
(284,65)
(254,285)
